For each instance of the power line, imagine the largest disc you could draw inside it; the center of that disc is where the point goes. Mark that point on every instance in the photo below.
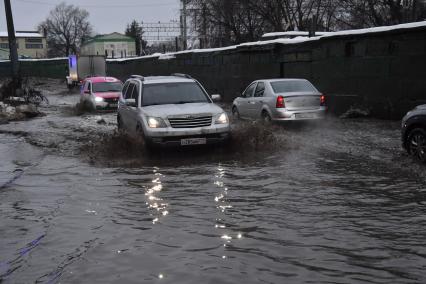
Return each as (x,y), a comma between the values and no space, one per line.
(103,6)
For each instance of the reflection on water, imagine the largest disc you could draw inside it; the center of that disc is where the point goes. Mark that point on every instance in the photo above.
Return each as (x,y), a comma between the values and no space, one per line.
(155,203)
(318,212)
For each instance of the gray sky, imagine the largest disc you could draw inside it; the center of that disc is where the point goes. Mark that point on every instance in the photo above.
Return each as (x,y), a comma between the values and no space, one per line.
(105,15)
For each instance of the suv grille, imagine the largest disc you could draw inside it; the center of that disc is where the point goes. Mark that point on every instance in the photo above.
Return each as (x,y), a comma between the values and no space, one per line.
(191,122)
(111,100)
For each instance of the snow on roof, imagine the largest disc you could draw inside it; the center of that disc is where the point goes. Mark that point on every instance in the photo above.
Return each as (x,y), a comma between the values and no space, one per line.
(378,29)
(292,33)
(166,79)
(295,40)
(22,34)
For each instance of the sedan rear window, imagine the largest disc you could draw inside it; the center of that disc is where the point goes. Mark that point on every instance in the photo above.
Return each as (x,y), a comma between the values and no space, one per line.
(173,93)
(104,87)
(292,86)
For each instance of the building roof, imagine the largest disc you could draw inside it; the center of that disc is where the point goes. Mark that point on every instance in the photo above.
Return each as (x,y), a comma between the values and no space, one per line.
(112,37)
(23,34)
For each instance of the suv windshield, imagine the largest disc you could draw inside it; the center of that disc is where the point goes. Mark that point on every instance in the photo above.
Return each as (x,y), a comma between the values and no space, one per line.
(173,93)
(107,87)
(292,86)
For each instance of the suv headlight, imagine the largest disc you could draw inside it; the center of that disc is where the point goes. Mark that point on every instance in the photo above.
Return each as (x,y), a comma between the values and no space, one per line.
(222,119)
(156,122)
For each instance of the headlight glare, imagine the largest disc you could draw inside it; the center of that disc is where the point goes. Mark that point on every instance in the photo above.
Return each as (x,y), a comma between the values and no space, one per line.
(156,122)
(222,119)
(99,99)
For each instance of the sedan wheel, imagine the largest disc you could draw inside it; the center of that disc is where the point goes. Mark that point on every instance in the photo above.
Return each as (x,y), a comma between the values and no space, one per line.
(417,144)
(266,118)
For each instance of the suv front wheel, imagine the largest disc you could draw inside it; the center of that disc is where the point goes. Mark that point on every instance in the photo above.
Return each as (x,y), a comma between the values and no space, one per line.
(416,144)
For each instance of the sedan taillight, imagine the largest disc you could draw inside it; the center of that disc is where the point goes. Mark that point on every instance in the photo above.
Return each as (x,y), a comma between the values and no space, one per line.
(322,100)
(280,102)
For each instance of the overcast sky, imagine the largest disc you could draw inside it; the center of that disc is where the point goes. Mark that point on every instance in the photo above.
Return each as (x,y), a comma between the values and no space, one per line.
(105,15)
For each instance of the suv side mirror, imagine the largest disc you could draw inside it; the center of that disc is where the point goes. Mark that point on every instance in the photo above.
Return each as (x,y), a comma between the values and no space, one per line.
(131,102)
(216,98)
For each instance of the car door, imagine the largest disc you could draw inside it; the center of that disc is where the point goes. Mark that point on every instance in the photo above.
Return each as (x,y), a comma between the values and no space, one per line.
(257,101)
(246,101)
(125,109)
(85,92)
(134,110)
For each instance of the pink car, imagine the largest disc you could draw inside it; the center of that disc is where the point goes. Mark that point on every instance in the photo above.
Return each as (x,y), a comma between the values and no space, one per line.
(101,92)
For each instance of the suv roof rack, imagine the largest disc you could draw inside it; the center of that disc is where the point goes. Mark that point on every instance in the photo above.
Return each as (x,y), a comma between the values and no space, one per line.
(142,78)
(182,75)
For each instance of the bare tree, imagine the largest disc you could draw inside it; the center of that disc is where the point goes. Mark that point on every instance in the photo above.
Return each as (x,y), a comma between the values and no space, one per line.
(66,28)
(225,22)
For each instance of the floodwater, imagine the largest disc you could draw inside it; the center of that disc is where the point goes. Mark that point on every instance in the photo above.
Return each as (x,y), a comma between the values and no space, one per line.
(332,202)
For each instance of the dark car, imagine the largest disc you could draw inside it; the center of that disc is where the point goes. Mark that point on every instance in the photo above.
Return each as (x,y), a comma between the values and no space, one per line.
(414,133)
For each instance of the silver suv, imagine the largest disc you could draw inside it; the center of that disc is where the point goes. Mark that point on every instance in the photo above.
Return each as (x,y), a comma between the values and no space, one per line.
(171,111)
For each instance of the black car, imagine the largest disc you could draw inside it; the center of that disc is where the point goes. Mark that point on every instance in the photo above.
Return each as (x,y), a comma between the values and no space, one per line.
(414,133)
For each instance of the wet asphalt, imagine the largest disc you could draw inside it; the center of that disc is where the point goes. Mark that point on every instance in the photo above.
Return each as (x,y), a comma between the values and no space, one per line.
(336,201)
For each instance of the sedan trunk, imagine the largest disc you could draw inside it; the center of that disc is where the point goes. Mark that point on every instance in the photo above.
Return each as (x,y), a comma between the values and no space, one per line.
(302,101)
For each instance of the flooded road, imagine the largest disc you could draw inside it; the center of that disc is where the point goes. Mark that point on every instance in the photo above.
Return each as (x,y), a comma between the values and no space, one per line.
(334,202)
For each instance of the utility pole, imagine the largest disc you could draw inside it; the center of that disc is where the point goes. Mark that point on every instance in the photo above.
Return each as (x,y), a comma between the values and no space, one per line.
(184,32)
(12,44)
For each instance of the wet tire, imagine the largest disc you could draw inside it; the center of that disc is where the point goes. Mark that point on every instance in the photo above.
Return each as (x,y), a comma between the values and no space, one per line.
(416,144)
(266,118)
(235,113)
(141,135)
(119,124)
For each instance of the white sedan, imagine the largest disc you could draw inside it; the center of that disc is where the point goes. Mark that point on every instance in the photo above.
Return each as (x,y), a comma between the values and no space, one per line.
(280,100)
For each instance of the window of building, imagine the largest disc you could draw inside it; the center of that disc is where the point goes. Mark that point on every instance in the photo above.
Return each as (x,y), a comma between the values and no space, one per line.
(34,40)
(6,45)
(33,46)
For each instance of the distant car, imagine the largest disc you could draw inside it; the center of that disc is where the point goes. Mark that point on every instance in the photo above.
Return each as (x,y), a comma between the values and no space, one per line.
(280,100)
(101,92)
(171,111)
(414,133)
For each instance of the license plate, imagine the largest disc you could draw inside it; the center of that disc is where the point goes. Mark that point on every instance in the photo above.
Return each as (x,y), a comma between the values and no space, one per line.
(305,115)
(113,105)
(193,141)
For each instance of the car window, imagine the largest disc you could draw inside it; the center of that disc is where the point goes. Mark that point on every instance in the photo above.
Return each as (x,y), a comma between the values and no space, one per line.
(260,89)
(86,86)
(129,91)
(135,93)
(249,91)
(173,93)
(103,87)
(292,86)
(126,85)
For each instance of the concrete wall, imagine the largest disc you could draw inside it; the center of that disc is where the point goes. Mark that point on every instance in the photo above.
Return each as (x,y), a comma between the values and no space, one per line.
(385,72)
(57,69)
